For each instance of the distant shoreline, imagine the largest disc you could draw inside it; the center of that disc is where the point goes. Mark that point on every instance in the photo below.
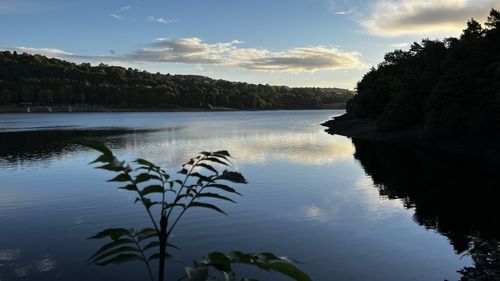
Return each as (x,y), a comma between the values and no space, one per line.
(90,109)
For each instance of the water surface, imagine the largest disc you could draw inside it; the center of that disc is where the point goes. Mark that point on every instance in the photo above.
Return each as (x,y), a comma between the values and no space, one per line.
(342,208)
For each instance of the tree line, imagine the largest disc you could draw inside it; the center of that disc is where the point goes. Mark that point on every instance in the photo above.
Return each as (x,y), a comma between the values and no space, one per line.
(38,80)
(444,88)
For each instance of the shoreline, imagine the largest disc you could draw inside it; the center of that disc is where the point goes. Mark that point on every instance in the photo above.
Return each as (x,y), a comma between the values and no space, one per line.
(93,109)
(474,148)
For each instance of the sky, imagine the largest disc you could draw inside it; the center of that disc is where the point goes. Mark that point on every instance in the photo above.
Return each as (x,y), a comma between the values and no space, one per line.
(299,43)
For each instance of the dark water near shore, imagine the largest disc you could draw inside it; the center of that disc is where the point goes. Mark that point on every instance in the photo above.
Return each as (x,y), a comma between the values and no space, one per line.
(348,209)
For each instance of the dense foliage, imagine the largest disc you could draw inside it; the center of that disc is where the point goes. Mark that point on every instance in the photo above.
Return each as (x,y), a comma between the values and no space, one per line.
(444,88)
(39,80)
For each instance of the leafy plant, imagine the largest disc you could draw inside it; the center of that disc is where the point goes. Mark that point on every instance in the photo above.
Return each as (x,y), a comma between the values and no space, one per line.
(208,176)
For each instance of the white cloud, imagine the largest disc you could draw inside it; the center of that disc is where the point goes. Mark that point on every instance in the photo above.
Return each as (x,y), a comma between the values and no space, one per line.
(196,51)
(423,17)
(343,12)
(42,51)
(160,20)
(120,13)
(401,45)
(116,16)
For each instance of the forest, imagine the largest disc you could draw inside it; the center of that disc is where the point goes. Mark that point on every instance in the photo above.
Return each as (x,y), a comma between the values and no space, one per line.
(37,80)
(441,88)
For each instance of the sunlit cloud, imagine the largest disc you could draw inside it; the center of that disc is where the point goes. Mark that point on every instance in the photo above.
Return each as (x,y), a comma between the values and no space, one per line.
(196,51)
(422,17)
(401,45)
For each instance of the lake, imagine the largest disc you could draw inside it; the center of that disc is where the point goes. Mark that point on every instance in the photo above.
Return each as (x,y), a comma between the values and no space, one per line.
(346,209)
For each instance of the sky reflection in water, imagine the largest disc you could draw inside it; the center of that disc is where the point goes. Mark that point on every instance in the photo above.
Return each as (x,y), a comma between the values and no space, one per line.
(308,198)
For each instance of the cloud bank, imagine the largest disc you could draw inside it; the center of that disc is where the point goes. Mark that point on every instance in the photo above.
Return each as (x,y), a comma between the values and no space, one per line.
(418,17)
(196,51)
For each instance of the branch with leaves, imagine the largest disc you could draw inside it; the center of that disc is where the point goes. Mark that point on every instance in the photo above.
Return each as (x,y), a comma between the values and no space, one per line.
(204,179)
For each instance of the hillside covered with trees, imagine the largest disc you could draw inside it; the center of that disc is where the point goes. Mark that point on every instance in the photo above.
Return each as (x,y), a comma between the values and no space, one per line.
(439,89)
(38,80)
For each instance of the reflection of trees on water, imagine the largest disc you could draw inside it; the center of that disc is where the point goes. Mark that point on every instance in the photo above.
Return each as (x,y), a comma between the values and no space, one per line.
(455,197)
(29,146)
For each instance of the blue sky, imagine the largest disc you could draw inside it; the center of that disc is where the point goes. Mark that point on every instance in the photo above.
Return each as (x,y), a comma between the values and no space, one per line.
(327,43)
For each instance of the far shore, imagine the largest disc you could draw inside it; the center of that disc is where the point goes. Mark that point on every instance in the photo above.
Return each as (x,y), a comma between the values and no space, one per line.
(78,108)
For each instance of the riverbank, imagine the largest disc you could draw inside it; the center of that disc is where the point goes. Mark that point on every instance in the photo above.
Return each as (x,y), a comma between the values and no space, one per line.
(56,109)
(475,148)
(86,108)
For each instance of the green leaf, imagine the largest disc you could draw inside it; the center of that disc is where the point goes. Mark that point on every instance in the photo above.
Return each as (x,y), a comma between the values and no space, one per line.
(289,270)
(120,178)
(173,246)
(104,158)
(119,250)
(113,233)
(152,189)
(222,152)
(183,171)
(148,203)
(219,261)
(145,163)
(223,187)
(206,205)
(146,233)
(97,145)
(208,167)
(215,195)
(201,177)
(129,187)
(231,176)
(145,177)
(150,245)
(216,160)
(119,259)
(114,166)
(112,245)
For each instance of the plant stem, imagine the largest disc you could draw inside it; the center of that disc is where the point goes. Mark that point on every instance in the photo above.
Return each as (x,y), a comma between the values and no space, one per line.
(144,257)
(142,200)
(163,248)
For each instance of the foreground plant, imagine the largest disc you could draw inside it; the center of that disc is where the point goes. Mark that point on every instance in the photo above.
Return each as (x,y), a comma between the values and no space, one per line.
(206,177)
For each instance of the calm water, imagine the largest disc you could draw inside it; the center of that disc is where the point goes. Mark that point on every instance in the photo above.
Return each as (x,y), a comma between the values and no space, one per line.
(347,210)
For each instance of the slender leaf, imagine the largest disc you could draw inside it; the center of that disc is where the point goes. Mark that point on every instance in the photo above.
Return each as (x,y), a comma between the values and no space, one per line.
(219,261)
(216,160)
(223,187)
(97,145)
(146,233)
(145,177)
(119,250)
(206,205)
(208,167)
(112,245)
(232,176)
(215,195)
(114,233)
(119,259)
(150,245)
(152,189)
(129,187)
(289,270)
(120,178)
